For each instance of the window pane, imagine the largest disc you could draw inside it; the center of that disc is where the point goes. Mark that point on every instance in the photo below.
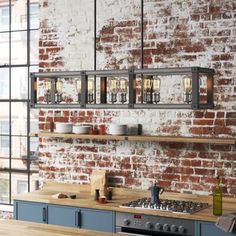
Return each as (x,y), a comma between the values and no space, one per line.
(19,86)
(19,183)
(22,186)
(34,52)
(4,48)
(19,15)
(4,83)
(4,118)
(34,15)
(19,153)
(19,118)
(4,151)
(4,187)
(34,69)
(34,167)
(34,126)
(19,47)
(34,181)
(4,18)
(34,148)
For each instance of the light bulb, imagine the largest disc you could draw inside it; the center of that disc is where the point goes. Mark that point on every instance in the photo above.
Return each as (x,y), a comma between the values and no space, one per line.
(187,84)
(90,86)
(47,85)
(123,86)
(156,85)
(78,86)
(59,86)
(147,86)
(113,85)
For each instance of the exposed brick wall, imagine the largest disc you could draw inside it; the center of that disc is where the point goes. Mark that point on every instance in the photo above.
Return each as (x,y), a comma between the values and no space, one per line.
(177,33)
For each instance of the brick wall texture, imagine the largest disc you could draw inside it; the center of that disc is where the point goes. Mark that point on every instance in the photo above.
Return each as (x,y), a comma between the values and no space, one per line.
(176,33)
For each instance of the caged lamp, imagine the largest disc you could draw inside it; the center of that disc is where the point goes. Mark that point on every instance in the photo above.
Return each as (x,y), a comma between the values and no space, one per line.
(118,88)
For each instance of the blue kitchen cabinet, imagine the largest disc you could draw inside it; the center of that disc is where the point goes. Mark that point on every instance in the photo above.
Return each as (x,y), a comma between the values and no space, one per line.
(63,215)
(30,211)
(209,229)
(99,220)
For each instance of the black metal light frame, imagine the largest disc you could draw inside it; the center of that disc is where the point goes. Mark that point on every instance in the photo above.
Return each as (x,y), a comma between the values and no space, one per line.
(131,75)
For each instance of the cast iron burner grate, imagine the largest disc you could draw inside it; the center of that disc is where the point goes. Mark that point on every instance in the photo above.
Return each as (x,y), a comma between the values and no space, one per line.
(175,206)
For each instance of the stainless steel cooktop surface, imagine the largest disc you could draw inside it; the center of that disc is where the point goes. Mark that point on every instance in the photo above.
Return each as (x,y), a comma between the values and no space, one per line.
(175,206)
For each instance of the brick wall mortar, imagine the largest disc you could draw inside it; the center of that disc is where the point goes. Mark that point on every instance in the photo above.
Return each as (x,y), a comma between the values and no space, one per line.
(177,33)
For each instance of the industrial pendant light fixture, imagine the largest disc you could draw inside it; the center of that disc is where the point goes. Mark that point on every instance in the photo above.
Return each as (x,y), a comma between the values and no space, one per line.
(118,88)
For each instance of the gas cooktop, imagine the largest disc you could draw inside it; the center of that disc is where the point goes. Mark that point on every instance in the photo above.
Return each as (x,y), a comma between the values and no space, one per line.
(175,206)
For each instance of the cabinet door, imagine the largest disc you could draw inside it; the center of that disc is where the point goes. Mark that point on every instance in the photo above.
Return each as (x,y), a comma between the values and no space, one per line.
(98,220)
(63,215)
(208,229)
(29,211)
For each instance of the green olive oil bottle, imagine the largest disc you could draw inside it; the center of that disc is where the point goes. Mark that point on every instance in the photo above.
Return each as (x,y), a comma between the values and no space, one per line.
(217,198)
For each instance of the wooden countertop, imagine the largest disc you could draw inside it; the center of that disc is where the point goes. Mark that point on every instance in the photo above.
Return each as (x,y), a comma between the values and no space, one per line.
(23,228)
(122,195)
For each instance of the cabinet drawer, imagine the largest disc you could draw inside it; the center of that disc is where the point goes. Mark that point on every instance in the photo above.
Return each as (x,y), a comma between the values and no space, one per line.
(99,220)
(63,215)
(208,229)
(29,211)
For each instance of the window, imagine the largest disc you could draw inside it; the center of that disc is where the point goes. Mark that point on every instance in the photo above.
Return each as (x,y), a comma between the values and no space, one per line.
(18,151)
(22,186)
(4,83)
(4,17)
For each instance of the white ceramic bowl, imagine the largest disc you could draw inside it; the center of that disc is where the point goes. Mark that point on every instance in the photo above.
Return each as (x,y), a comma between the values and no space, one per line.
(81,129)
(115,129)
(63,127)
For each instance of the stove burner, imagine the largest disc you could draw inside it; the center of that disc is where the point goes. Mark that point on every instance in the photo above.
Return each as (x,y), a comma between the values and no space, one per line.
(175,206)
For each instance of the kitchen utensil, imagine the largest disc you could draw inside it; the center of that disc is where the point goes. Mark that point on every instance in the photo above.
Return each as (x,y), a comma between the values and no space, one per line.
(155,191)
(81,129)
(101,129)
(115,129)
(97,194)
(102,199)
(63,127)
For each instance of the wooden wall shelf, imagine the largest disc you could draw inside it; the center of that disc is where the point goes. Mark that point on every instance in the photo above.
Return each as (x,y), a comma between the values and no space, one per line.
(141,138)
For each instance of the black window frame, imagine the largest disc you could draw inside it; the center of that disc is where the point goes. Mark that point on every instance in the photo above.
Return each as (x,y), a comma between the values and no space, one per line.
(10,171)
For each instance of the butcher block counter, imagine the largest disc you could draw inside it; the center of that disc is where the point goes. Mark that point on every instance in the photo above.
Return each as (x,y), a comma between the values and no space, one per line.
(22,228)
(122,195)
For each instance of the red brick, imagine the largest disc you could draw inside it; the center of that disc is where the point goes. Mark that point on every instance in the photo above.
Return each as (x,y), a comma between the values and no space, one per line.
(61,119)
(199,171)
(171,177)
(203,122)
(164,183)
(201,130)
(208,155)
(198,114)
(231,115)
(219,130)
(231,122)
(228,156)
(189,178)
(219,122)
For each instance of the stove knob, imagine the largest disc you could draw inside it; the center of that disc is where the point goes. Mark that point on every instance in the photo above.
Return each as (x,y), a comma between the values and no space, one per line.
(173,228)
(149,225)
(181,229)
(126,222)
(158,226)
(166,227)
